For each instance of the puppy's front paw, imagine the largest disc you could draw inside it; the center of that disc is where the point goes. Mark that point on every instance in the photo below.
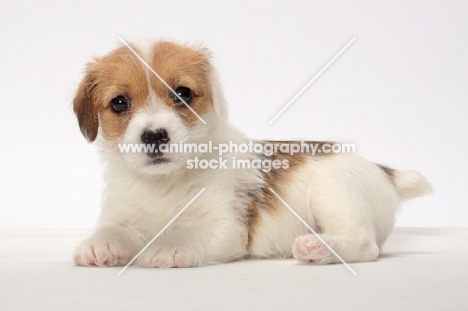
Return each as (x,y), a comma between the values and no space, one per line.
(309,249)
(101,253)
(164,257)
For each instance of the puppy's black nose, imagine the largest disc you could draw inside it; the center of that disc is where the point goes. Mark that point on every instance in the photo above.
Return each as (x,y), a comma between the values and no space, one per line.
(155,138)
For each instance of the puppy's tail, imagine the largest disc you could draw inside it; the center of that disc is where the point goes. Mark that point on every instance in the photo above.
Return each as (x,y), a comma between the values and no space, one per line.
(410,184)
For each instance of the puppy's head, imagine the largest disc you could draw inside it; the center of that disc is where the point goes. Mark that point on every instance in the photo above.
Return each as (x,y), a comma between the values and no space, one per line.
(127,104)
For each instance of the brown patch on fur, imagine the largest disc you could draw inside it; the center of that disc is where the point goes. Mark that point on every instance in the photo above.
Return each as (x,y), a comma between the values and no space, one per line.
(253,218)
(182,66)
(85,108)
(117,74)
(276,179)
(389,171)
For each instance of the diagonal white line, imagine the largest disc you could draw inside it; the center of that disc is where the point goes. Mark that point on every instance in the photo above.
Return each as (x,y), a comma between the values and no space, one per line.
(162,230)
(161,79)
(311,81)
(315,233)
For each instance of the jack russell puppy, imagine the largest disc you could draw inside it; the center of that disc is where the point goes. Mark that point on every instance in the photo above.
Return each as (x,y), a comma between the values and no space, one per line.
(177,101)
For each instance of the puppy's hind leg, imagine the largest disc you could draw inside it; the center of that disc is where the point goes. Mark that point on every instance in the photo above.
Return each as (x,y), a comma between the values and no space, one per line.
(345,227)
(351,246)
(354,203)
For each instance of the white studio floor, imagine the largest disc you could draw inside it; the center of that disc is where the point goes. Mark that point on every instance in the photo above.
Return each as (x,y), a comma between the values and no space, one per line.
(421,269)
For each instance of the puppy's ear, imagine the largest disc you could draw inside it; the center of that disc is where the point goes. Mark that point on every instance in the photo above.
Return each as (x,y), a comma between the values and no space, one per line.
(84,106)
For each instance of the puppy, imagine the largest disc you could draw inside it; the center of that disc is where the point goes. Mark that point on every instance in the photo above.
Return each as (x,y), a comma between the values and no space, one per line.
(348,200)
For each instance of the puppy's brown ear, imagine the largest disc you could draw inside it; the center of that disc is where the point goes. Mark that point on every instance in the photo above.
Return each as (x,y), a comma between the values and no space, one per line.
(84,106)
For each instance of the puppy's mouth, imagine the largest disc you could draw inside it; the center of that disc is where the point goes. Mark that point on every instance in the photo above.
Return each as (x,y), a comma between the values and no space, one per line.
(157,157)
(158,160)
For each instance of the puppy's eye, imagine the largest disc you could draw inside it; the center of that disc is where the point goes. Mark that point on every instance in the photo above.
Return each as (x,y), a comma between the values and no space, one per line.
(185,93)
(120,104)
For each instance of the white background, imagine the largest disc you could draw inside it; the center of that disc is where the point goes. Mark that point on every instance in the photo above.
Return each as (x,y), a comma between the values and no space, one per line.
(399,92)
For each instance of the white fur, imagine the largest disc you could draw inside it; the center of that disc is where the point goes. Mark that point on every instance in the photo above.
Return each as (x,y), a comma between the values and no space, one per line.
(346,198)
